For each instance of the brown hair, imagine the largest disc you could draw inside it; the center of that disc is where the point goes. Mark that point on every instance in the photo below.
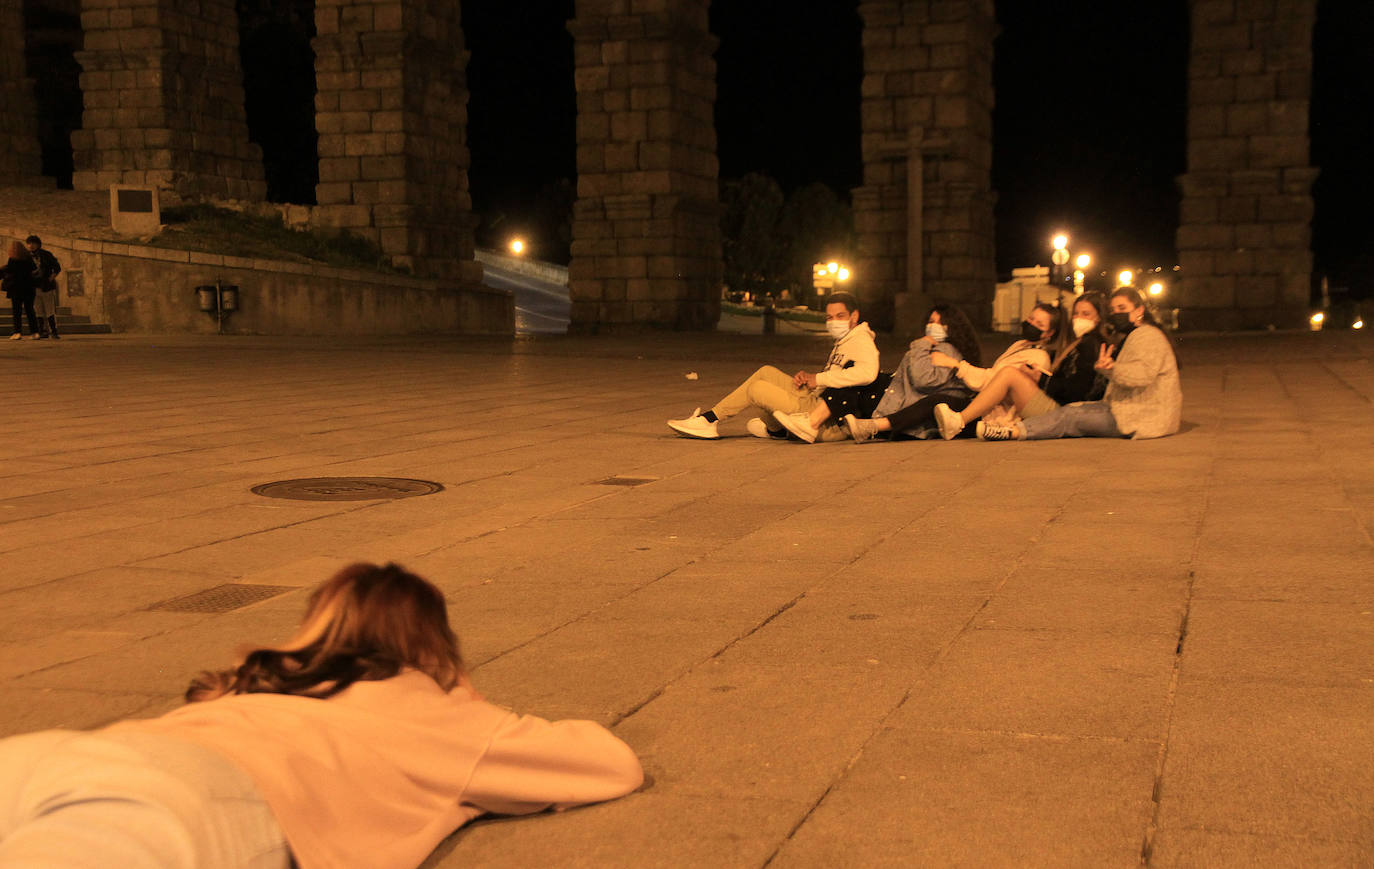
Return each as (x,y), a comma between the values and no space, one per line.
(18,251)
(365,623)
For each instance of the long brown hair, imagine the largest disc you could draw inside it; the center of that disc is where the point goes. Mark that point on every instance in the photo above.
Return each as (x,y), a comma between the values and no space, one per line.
(959,332)
(363,624)
(18,251)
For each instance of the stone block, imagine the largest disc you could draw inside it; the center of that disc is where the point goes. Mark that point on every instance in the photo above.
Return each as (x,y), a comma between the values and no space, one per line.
(1291,235)
(1238,209)
(1251,236)
(1233,262)
(1223,153)
(1206,237)
(1196,263)
(1208,291)
(1208,91)
(1245,119)
(1286,209)
(1199,209)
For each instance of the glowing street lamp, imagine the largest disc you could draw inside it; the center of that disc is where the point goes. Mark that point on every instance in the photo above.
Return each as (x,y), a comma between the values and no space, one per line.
(1316,321)
(842,274)
(1083,261)
(1124,278)
(517,246)
(1060,241)
(1156,289)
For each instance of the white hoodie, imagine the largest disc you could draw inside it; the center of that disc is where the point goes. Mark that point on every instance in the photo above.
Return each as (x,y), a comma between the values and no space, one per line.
(853,360)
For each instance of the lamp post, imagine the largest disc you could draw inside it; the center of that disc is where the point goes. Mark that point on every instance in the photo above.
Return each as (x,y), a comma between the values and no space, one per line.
(1082,262)
(1059,257)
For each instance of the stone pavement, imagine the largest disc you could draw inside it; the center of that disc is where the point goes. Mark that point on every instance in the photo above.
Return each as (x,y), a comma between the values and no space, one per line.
(1078,653)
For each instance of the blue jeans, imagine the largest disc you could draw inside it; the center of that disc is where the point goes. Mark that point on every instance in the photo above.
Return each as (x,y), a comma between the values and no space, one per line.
(71,800)
(1082,419)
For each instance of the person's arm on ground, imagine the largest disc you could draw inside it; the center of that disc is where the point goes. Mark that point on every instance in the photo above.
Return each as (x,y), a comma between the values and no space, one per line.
(532,764)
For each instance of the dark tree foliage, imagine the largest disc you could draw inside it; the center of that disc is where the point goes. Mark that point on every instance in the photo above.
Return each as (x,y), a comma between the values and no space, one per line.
(770,242)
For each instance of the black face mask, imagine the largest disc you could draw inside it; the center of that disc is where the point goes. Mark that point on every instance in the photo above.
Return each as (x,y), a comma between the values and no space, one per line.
(1121,322)
(1029,332)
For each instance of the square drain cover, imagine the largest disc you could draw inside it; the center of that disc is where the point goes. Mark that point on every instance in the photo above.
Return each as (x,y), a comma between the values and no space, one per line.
(221,598)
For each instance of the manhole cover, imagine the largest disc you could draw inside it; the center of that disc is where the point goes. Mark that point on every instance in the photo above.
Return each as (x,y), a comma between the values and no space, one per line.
(347,488)
(221,598)
(626,481)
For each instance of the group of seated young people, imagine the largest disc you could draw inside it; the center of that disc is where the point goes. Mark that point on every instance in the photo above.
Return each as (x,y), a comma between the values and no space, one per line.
(1109,371)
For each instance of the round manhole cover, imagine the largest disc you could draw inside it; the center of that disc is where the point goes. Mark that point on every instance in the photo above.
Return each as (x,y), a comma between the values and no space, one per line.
(347,488)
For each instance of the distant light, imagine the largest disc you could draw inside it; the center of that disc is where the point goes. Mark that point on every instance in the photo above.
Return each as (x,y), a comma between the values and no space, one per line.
(1125,277)
(517,246)
(1083,261)
(1078,277)
(1156,288)
(1060,241)
(1358,324)
(832,267)
(842,274)
(1316,320)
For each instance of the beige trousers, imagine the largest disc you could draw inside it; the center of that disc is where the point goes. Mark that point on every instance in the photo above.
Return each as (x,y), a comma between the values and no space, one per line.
(767,389)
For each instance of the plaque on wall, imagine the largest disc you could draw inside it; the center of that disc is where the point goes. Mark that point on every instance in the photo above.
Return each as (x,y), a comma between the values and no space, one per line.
(135,209)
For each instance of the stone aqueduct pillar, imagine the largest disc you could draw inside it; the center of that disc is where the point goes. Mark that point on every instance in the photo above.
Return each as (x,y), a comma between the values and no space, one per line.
(163,93)
(20,160)
(924,214)
(1244,236)
(646,225)
(391,111)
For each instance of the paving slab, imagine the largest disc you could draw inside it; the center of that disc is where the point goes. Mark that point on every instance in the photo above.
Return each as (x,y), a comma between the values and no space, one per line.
(925,653)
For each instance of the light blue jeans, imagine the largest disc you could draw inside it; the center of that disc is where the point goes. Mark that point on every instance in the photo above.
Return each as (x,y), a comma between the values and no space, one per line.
(127,799)
(1082,419)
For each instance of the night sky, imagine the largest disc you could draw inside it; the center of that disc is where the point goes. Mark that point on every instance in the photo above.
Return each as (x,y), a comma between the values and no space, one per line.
(1089,127)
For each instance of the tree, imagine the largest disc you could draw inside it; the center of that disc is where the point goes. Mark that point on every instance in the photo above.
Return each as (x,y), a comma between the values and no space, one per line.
(813,226)
(752,250)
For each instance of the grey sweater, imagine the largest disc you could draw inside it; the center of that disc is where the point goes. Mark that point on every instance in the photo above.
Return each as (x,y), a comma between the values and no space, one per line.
(1143,391)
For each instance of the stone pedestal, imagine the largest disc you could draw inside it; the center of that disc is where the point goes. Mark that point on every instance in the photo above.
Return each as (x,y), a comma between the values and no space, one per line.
(646,225)
(1244,237)
(391,111)
(927,109)
(163,95)
(20,160)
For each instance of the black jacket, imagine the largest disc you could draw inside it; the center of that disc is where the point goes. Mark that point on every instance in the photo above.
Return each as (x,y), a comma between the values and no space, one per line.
(47,269)
(18,279)
(1075,378)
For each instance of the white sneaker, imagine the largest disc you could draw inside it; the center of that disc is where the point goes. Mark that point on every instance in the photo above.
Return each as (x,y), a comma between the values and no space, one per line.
(16,337)
(759,429)
(861,430)
(695,426)
(991,431)
(950,422)
(798,424)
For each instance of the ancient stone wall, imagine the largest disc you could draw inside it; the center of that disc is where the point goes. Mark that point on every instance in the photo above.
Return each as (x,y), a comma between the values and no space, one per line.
(1244,237)
(19,152)
(391,111)
(163,94)
(927,100)
(646,225)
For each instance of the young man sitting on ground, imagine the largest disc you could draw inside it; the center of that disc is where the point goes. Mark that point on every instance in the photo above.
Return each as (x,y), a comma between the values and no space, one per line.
(853,362)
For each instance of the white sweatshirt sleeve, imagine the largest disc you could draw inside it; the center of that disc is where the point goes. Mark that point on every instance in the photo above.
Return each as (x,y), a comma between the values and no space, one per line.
(532,764)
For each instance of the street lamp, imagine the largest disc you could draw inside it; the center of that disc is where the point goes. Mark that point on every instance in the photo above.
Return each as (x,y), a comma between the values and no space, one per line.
(1058,258)
(517,246)
(1124,278)
(1156,289)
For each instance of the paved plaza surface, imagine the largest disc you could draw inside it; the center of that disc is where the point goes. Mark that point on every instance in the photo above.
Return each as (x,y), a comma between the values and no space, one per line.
(1074,653)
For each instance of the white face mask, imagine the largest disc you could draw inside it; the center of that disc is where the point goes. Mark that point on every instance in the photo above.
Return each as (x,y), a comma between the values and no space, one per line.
(936,332)
(837,328)
(1082,326)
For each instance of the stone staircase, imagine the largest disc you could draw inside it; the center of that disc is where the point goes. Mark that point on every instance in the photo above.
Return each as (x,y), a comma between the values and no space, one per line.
(67,323)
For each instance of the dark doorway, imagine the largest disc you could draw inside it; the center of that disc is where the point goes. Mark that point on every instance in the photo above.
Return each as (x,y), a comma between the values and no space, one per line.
(52,36)
(279,93)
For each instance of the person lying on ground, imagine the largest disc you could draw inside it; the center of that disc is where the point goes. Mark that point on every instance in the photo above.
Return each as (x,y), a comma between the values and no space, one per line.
(1143,397)
(1030,353)
(853,361)
(1073,377)
(946,330)
(361,741)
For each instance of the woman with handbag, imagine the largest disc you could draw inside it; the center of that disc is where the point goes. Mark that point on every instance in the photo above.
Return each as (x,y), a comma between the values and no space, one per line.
(359,742)
(16,277)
